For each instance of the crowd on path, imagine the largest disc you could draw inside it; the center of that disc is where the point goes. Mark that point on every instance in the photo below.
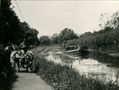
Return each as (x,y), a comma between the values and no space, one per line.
(20,56)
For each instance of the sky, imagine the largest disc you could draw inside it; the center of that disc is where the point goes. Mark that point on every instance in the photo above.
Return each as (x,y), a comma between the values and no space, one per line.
(50,17)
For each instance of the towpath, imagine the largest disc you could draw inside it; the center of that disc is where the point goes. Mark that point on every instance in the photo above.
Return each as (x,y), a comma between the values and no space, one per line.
(30,81)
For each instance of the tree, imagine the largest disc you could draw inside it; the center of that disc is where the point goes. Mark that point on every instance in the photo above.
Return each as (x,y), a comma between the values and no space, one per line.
(10,24)
(44,40)
(11,29)
(112,22)
(86,34)
(30,34)
(55,39)
(67,34)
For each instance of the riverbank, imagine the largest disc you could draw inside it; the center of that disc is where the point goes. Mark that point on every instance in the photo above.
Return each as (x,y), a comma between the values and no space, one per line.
(107,52)
(62,77)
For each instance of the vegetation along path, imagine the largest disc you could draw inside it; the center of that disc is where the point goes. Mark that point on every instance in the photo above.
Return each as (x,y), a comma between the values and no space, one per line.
(30,81)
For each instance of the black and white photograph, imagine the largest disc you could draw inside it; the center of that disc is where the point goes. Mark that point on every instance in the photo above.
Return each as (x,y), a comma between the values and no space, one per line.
(59,45)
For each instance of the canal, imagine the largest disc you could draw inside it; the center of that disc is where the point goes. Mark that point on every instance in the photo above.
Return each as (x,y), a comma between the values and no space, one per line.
(91,64)
(98,66)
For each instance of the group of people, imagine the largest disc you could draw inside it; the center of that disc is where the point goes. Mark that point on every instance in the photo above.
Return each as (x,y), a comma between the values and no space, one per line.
(20,57)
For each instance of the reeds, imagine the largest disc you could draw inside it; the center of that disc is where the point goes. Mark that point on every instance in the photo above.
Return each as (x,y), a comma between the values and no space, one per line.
(65,78)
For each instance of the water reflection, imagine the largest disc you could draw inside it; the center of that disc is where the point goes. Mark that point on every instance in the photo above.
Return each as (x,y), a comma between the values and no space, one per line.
(98,66)
(91,64)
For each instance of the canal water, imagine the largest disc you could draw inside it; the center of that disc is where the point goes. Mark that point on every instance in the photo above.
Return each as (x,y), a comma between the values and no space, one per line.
(98,66)
(93,65)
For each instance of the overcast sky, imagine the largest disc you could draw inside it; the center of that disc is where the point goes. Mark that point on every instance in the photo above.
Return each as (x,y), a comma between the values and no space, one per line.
(50,17)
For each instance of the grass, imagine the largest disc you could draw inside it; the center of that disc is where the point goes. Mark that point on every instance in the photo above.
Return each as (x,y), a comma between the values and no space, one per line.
(65,78)
(66,58)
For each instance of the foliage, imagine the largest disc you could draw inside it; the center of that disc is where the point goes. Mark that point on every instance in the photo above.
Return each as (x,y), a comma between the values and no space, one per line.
(55,39)
(11,29)
(67,34)
(30,34)
(104,39)
(44,40)
(114,21)
(72,42)
(86,34)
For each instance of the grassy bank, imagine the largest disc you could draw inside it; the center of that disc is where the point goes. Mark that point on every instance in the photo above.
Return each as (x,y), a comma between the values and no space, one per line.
(65,78)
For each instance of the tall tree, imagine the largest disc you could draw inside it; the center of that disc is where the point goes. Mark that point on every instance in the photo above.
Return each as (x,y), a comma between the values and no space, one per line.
(10,24)
(55,38)
(30,34)
(44,40)
(67,34)
(12,29)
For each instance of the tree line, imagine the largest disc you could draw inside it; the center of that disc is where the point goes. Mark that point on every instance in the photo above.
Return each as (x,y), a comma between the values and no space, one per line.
(12,29)
(106,38)
(62,38)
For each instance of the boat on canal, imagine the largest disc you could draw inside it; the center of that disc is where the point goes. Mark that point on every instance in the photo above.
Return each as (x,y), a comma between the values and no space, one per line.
(80,49)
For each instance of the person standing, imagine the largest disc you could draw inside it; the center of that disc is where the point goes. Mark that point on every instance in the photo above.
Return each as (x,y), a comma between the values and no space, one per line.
(23,46)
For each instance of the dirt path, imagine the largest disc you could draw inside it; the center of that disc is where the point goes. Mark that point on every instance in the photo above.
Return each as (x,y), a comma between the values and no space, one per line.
(30,81)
